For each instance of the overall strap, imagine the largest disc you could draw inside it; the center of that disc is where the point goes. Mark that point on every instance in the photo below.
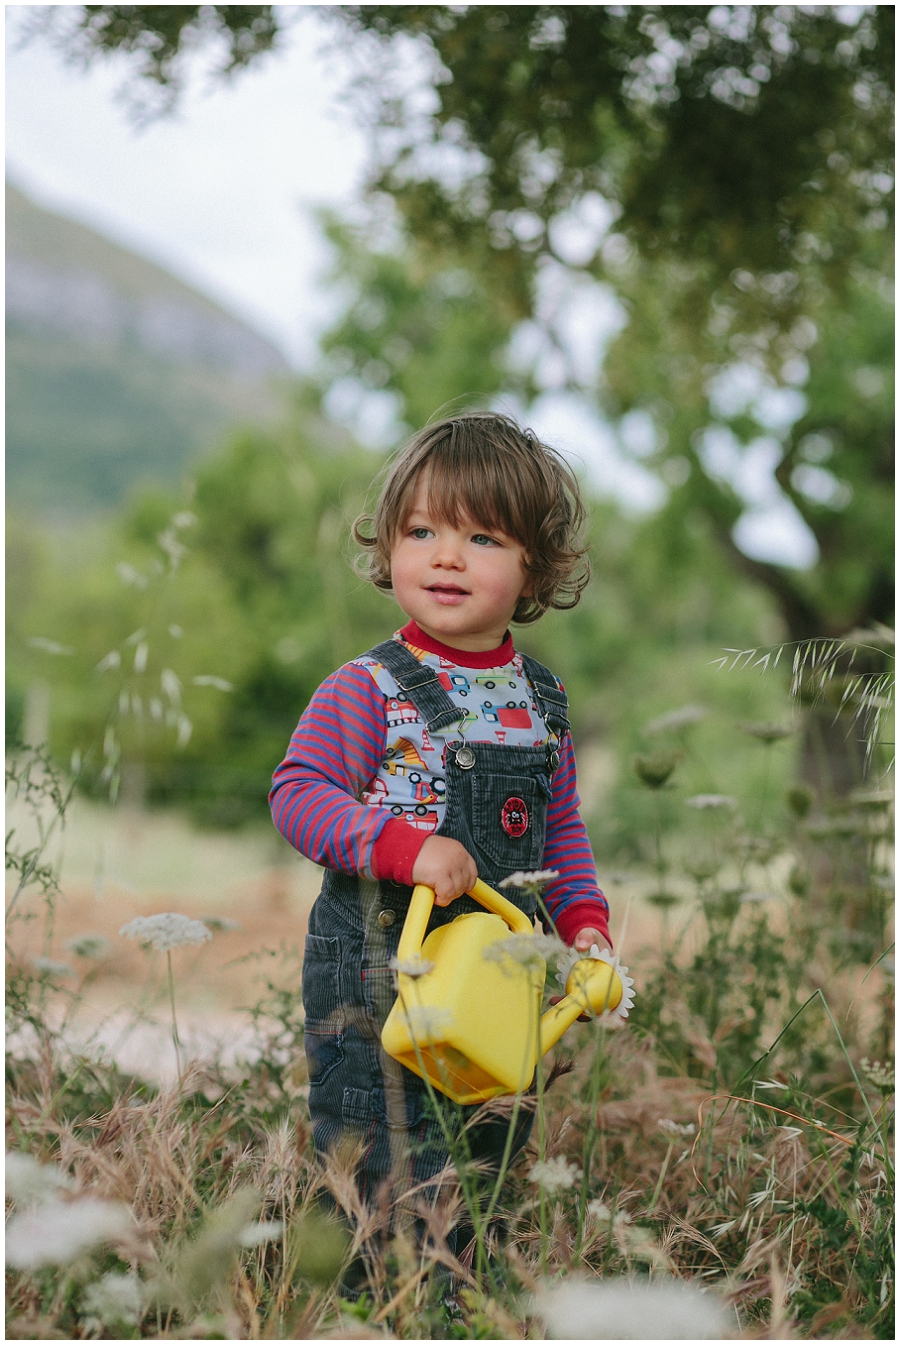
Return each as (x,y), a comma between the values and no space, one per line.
(420,683)
(552,701)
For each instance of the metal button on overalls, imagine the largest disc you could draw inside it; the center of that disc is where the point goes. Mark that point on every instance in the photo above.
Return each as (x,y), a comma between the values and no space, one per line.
(386,918)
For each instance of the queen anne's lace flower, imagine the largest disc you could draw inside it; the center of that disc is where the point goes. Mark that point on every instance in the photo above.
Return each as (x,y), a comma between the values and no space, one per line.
(555,1174)
(114,1300)
(411,966)
(535,879)
(880,1073)
(56,1231)
(254,1235)
(28,1180)
(673,1129)
(166,931)
(427,1021)
(623,1309)
(48,966)
(527,949)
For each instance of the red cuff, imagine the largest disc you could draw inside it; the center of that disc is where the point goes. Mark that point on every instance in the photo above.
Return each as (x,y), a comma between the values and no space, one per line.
(395,851)
(582,915)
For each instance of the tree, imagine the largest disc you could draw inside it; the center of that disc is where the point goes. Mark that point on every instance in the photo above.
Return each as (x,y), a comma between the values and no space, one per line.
(726,171)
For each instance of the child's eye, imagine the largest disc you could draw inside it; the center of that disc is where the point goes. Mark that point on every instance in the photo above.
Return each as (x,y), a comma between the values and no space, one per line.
(420,534)
(481,539)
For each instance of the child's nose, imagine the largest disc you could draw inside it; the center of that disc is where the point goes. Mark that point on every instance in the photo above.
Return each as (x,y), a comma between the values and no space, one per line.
(448,553)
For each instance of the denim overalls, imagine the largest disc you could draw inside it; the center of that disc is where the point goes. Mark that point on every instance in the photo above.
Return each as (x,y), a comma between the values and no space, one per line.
(356,1089)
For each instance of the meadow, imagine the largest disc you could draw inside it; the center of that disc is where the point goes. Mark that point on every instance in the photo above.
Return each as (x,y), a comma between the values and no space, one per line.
(720,1163)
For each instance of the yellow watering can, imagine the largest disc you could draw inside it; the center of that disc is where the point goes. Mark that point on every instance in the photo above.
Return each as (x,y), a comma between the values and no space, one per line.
(467,1014)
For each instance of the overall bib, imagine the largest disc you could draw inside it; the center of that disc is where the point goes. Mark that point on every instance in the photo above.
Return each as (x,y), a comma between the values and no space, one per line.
(356,1089)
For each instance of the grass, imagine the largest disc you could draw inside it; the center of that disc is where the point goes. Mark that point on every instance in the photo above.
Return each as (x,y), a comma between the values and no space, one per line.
(734,1138)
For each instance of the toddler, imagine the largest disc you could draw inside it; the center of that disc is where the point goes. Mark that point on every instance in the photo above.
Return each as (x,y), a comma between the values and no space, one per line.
(437,757)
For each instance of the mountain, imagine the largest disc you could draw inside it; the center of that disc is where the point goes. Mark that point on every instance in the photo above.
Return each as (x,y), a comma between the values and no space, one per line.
(117,373)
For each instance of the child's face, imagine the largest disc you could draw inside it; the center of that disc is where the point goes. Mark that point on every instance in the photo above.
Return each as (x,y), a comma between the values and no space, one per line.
(461,585)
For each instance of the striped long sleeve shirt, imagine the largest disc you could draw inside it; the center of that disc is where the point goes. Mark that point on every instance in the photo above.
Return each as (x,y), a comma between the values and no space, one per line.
(361,787)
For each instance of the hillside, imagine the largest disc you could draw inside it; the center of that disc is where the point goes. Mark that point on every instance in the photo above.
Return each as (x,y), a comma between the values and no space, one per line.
(117,372)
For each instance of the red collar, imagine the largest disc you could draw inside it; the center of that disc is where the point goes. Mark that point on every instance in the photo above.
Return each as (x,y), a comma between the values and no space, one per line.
(464,658)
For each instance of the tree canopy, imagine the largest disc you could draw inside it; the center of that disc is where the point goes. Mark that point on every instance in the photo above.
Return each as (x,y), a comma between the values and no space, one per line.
(725,171)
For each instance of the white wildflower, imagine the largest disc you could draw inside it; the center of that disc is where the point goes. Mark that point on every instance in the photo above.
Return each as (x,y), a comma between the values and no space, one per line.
(879,1073)
(527,949)
(673,1129)
(427,1021)
(555,1174)
(254,1235)
(676,719)
(57,1231)
(604,1215)
(27,1180)
(165,931)
(411,966)
(89,945)
(535,879)
(48,966)
(623,1309)
(115,1300)
(711,801)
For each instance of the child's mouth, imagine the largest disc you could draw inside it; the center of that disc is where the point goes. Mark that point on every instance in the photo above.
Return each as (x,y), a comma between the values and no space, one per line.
(448,594)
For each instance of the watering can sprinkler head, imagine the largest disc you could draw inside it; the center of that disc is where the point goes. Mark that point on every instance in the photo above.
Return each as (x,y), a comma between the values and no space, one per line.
(467,1015)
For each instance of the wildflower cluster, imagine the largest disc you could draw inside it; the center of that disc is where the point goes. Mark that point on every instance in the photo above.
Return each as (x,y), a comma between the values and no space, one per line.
(166,931)
(555,1174)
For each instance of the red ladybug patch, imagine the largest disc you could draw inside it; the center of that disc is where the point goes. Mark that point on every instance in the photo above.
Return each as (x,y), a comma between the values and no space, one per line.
(514,817)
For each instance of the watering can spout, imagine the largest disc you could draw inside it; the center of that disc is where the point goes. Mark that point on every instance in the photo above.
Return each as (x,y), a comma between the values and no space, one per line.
(593,987)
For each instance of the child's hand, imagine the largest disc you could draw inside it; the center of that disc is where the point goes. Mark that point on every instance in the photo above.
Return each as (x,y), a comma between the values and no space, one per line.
(585,937)
(446,866)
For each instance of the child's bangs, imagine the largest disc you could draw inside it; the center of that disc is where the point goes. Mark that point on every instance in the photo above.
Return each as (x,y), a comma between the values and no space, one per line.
(461,490)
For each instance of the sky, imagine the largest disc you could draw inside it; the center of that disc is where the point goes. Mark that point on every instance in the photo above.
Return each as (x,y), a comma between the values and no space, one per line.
(222,193)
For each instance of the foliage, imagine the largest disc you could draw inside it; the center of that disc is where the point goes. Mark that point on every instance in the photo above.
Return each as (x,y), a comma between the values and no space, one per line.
(735,1133)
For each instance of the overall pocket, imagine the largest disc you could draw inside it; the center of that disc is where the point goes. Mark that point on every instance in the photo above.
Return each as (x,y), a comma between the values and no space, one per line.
(509,818)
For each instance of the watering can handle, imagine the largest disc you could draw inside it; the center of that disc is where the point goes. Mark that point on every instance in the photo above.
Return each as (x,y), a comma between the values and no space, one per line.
(421,904)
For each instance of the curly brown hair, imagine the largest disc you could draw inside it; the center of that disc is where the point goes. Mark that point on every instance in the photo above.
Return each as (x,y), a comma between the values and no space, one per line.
(482,466)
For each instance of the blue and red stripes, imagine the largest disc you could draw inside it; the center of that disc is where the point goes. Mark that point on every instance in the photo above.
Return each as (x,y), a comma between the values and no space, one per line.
(334,754)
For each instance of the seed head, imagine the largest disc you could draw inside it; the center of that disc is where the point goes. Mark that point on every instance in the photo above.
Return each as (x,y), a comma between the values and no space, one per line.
(768,733)
(676,719)
(654,768)
(166,931)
